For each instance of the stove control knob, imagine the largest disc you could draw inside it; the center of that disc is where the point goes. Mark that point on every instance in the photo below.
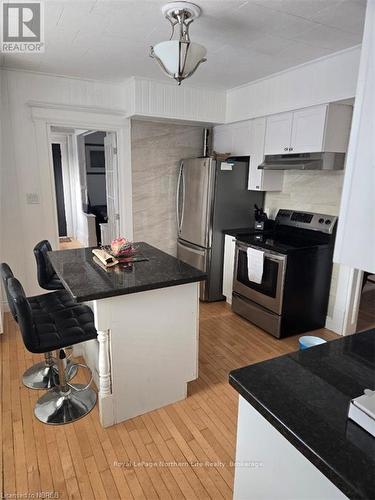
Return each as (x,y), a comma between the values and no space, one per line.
(328,221)
(321,221)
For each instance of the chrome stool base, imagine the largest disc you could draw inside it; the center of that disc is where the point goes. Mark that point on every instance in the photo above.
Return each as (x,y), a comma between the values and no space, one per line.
(57,407)
(45,376)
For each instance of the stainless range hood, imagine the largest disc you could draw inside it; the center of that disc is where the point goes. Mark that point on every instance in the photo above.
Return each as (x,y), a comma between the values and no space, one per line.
(304,161)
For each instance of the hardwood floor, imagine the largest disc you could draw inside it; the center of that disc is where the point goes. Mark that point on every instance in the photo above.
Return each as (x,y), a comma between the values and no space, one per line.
(67,245)
(180,451)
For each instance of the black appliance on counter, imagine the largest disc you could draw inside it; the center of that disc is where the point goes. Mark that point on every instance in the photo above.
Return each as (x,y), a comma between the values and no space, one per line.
(262,222)
(293,294)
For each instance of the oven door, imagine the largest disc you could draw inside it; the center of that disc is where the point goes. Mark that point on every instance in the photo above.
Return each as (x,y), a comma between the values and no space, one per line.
(268,293)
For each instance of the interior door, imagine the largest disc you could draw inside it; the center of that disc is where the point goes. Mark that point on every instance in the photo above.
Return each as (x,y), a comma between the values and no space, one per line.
(111,179)
(278,134)
(195,197)
(59,189)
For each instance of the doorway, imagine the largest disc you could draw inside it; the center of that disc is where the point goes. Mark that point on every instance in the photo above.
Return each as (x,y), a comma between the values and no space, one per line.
(86,186)
(366,311)
(59,191)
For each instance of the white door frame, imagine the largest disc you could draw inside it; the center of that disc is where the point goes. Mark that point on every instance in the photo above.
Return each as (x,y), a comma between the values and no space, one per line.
(45,115)
(347,300)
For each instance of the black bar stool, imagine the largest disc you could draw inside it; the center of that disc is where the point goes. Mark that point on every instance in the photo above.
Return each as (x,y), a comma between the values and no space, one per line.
(54,331)
(43,375)
(47,278)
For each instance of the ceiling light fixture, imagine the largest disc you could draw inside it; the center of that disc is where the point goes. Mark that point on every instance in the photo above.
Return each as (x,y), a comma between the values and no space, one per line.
(179,58)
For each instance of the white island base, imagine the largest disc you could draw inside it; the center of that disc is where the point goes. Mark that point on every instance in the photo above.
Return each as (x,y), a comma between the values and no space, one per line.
(146,352)
(269,467)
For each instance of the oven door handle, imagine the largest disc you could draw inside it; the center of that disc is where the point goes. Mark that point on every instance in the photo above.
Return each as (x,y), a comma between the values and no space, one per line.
(267,253)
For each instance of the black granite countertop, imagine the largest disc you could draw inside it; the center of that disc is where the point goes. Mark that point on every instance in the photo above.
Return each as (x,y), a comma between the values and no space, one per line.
(86,280)
(239,231)
(305,396)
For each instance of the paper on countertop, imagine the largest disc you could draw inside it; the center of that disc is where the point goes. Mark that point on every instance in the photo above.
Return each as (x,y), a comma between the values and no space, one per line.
(255,261)
(362,411)
(225,165)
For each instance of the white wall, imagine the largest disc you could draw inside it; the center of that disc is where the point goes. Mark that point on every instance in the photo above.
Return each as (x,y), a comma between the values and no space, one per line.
(168,100)
(25,224)
(328,79)
(356,233)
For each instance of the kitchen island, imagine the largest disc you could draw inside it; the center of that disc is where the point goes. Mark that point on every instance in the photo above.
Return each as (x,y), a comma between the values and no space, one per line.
(147,317)
(294,439)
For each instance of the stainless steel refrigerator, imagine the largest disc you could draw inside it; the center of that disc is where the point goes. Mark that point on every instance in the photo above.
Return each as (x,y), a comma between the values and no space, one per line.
(212,196)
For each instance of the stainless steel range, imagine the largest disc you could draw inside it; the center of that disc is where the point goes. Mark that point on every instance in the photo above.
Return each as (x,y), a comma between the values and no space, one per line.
(294,266)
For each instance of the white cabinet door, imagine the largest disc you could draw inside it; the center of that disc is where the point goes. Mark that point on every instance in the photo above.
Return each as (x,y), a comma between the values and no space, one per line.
(222,139)
(241,137)
(258,131)
(308,129)
(228,268)
(278,134)
(261,180)
(233,138)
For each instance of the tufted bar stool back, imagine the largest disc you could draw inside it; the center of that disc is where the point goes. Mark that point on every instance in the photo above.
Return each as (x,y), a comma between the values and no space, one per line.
(47,278)
(43,375)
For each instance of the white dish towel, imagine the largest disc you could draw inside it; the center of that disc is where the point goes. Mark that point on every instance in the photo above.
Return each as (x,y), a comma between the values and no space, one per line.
(255,261)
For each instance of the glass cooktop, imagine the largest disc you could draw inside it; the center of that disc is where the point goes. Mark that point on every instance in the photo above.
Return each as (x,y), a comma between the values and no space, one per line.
(283,242)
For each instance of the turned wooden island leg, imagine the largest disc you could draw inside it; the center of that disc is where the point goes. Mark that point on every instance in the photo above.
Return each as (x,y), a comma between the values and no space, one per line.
(105,384)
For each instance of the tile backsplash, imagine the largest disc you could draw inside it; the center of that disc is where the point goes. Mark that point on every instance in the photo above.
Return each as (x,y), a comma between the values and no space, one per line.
(317,191)
(156,151)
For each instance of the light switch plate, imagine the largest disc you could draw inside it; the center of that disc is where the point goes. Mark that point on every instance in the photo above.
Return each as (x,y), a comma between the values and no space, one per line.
(224,165)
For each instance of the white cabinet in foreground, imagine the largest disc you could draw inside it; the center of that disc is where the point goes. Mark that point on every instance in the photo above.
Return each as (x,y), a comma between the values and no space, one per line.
(269,467)
(228,268)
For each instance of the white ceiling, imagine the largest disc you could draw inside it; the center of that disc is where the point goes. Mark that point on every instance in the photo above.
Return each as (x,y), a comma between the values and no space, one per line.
(246,40)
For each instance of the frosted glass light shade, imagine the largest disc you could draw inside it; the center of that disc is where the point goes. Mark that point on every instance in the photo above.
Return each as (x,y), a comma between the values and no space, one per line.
(172,56)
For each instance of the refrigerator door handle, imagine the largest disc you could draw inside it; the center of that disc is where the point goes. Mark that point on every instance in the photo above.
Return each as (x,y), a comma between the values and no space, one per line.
(180,179)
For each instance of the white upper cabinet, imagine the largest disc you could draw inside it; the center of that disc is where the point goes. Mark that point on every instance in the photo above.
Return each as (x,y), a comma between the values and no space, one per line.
(222,139)
(309,130)
(247,139)
(278,134)
(241,138)
(261,180)
(233,138)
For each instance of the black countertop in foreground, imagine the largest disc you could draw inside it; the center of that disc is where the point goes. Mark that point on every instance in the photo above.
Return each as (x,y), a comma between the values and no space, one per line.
(305,396)
(86,280)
